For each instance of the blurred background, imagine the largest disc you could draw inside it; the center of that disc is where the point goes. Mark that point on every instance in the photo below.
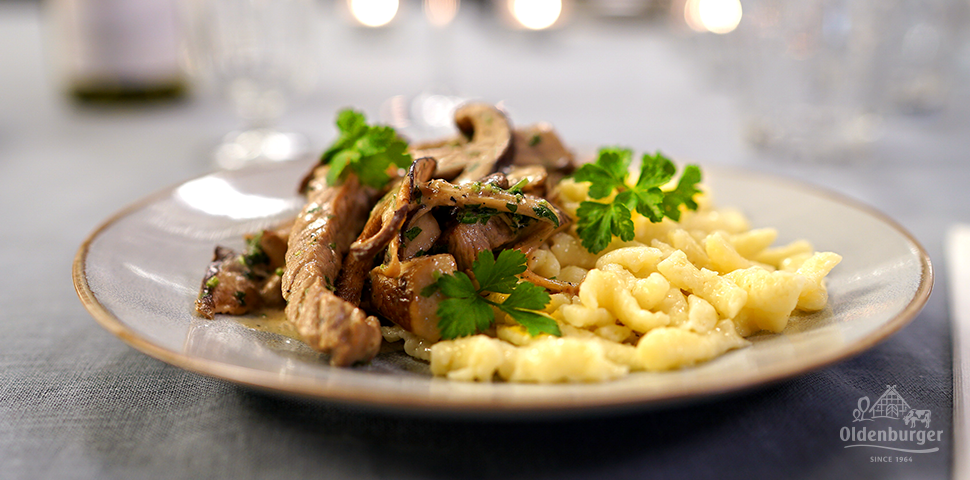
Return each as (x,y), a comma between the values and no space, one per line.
(124,97)
(718,81)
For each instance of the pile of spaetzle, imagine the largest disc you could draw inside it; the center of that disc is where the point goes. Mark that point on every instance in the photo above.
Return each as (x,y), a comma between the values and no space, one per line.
(679,294)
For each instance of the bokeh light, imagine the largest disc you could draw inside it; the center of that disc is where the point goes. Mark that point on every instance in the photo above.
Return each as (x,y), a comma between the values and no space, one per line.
(716,16)
(536,14)
(441,12)
(374,13)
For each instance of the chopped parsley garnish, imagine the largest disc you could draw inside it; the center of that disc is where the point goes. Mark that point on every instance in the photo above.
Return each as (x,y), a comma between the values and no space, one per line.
(600,222)
(543,211)
(517,188)
(368,150)
(520,221)
(254,251)
(412,233)
(241,297)
(476,214)
(467,311)
(209,286)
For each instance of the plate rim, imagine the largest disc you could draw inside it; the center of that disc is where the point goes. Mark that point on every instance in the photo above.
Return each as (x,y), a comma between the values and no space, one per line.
(410,402)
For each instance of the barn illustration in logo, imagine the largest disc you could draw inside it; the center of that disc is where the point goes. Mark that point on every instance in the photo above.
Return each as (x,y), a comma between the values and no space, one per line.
(890,405)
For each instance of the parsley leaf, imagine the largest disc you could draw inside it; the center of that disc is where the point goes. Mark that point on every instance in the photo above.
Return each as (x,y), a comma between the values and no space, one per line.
(476,214)
(522,302)
(599,222)
(412,233)
(367,150)
(543,211)
(467,311)
(534,322)
(475,313)
(684,193)
(498,274)
(607,173)
(457,286)
(655,171)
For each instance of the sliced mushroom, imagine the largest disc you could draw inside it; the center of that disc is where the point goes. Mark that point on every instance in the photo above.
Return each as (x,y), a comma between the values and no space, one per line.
(528,179)
(488,217)
(225,287)
(439,193)
(540,145)
(497,179)
(398,297)
(484,146)
(385,222)
(240,283)
(465,241)
(419,236)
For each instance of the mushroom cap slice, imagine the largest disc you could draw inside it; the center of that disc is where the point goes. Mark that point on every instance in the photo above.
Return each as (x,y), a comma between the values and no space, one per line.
(539,144)
(399,298)
(484,146)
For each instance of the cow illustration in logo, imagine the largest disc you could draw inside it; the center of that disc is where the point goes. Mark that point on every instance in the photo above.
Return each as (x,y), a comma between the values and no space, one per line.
(890,405)
(917,416)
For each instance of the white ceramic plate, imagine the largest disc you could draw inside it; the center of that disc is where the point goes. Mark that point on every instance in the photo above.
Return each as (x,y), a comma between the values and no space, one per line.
(139,273)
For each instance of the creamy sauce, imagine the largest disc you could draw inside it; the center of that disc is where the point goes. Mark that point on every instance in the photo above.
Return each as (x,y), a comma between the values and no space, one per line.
(269,320)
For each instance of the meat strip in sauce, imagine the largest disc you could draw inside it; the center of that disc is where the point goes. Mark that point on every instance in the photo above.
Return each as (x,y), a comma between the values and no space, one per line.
(321,236)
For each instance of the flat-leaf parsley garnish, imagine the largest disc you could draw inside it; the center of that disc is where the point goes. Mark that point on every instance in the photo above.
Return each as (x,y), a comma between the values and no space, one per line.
(600,222)
(368,150)
(467,311)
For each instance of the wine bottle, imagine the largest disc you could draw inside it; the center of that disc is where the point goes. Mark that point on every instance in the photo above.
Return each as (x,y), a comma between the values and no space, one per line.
(119,51)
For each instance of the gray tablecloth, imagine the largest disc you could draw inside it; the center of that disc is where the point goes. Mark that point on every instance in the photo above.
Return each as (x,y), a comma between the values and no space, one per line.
(76,402)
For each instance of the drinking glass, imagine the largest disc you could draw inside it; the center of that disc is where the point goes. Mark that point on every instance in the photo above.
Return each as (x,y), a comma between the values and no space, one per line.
(260,54)
(806,75)
(916,54)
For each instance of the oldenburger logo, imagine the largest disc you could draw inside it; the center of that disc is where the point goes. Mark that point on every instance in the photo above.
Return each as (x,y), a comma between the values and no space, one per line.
(895,426)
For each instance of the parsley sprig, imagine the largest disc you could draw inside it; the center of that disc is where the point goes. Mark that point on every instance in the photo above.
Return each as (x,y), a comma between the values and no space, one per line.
(368,150)
(600,222)
(255,255)
(467,311)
